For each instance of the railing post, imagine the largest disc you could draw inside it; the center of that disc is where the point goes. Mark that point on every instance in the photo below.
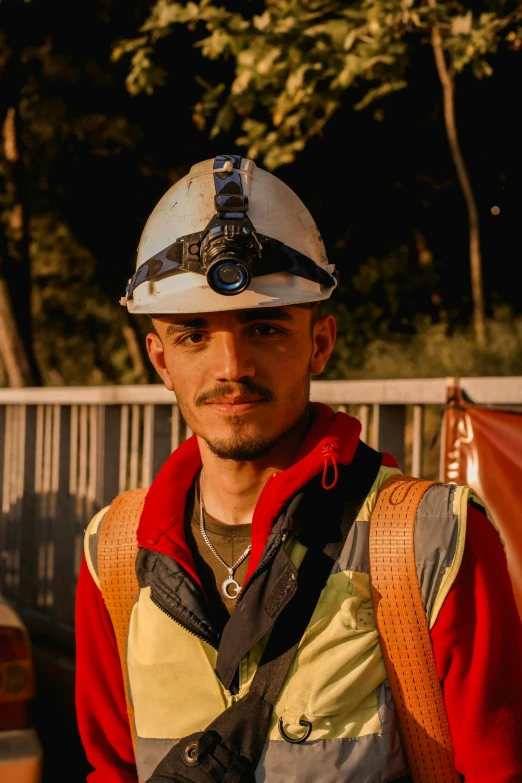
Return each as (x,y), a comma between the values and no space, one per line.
(11,445)
(175,432)
(43,530)
(148,438)
(2,490)
(364,418)
(389,423)
(123,449)
(161,444)
(64,526)
(134,447)
(417,440)
(28,540)
(109,462)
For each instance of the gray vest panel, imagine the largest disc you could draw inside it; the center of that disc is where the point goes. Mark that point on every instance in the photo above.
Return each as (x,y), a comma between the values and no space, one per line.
(371,758)
(435,541)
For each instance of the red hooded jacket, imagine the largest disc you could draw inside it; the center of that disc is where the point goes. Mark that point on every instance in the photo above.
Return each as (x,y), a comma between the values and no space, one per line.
(477,638)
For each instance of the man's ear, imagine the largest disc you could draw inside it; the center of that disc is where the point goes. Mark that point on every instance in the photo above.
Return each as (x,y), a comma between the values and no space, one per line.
(157,357)
(323,341)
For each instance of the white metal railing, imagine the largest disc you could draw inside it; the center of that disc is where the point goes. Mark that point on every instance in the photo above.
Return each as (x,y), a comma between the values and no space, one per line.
(502,390)
(67,451)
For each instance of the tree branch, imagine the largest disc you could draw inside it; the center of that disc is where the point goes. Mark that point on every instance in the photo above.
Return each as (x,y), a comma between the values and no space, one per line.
(448,90)
(512,17)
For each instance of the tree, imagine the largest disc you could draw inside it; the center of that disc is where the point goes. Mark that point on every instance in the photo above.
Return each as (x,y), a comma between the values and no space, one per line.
(64,136)
(16,347)
(295,61)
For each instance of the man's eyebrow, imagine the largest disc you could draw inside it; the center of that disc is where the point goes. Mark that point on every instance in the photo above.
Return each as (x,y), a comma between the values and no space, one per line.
(264,314)
(243,316)
(192,323)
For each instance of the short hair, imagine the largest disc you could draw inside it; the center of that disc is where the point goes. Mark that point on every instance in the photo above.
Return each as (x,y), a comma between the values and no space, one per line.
(316,312)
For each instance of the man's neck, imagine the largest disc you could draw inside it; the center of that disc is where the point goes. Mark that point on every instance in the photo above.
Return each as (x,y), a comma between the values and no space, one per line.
(231,489)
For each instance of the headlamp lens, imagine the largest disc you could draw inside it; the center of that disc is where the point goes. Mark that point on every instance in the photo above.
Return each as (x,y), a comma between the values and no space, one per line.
(228,277)
(228,274)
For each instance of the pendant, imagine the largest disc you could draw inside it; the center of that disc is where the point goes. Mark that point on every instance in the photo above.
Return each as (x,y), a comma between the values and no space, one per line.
(233,586)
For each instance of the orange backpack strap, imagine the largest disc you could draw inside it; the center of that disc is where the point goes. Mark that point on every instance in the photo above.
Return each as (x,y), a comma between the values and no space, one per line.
(117,549)
(404,633)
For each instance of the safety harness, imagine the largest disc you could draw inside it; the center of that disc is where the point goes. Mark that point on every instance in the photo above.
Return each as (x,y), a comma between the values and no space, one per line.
(229,749)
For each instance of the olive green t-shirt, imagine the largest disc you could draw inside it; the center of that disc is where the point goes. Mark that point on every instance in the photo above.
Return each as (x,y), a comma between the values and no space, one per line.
(230,541)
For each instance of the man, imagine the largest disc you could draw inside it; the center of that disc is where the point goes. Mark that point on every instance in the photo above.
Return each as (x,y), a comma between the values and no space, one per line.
(232,269)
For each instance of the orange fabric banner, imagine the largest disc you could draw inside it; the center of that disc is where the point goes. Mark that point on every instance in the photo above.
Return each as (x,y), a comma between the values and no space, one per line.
(483,449)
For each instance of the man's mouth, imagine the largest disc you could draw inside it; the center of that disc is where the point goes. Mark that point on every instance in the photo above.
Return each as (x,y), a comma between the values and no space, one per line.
(241,403)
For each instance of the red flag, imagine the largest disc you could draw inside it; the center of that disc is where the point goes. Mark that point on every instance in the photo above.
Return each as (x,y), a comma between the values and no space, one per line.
(483,449)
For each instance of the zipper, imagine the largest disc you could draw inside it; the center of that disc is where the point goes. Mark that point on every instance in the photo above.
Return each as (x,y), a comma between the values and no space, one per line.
(259,570)
(182,623)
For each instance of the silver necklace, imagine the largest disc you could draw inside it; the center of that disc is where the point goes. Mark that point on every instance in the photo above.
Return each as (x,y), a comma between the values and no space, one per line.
(230,583)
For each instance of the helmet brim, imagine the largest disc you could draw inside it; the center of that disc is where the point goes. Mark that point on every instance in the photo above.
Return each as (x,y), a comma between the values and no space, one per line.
(189,292)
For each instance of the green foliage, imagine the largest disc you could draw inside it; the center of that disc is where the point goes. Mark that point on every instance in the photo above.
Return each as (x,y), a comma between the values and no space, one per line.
(295,61)
(432,352)
(143,75)
(78,339)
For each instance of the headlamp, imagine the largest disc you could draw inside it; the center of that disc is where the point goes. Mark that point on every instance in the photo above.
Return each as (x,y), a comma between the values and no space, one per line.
(228,252)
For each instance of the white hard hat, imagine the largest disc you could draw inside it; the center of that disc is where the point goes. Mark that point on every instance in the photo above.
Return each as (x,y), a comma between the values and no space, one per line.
(228,236)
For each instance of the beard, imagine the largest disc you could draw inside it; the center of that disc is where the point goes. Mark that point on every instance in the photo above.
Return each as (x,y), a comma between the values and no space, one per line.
(240,448)
(240,444)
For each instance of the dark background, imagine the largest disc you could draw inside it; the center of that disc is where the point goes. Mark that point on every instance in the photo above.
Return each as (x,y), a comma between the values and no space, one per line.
(94,161)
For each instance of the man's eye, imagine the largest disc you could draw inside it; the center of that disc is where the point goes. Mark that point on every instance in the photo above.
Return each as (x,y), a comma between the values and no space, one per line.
(266,330)
(193,338)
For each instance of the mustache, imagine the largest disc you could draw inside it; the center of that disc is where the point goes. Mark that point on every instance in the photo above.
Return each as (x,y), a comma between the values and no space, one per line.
(233,390)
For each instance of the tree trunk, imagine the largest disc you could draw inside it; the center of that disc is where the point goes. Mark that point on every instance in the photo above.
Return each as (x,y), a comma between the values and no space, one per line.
(11,346)
(475,256)
(133,346)
(15,274)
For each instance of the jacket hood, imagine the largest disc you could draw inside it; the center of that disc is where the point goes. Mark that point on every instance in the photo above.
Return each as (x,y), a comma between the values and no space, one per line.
(332,439)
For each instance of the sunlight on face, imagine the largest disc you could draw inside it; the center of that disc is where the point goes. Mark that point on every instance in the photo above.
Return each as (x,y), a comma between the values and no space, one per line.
(242,378)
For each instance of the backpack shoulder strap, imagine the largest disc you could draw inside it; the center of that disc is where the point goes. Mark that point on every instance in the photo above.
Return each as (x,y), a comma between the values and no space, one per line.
(117,549)
(404,633)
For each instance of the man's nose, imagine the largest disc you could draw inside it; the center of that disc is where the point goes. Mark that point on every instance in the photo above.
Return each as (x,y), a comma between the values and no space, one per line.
(232,359)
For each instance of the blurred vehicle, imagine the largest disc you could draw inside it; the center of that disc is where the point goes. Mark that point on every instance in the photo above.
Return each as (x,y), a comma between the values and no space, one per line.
(20,749)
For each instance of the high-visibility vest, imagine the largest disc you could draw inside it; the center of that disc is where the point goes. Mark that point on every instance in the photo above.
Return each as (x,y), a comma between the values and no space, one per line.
(337,681)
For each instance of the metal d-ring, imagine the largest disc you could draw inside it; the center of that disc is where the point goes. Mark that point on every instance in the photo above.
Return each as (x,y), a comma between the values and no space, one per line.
(299,739)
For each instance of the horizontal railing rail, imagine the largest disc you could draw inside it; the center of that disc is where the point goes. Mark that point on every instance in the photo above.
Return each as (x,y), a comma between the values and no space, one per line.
(65,452)
(492,390)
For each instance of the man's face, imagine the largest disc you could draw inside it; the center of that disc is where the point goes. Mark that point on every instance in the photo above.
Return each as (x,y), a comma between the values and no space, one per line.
(241,378)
